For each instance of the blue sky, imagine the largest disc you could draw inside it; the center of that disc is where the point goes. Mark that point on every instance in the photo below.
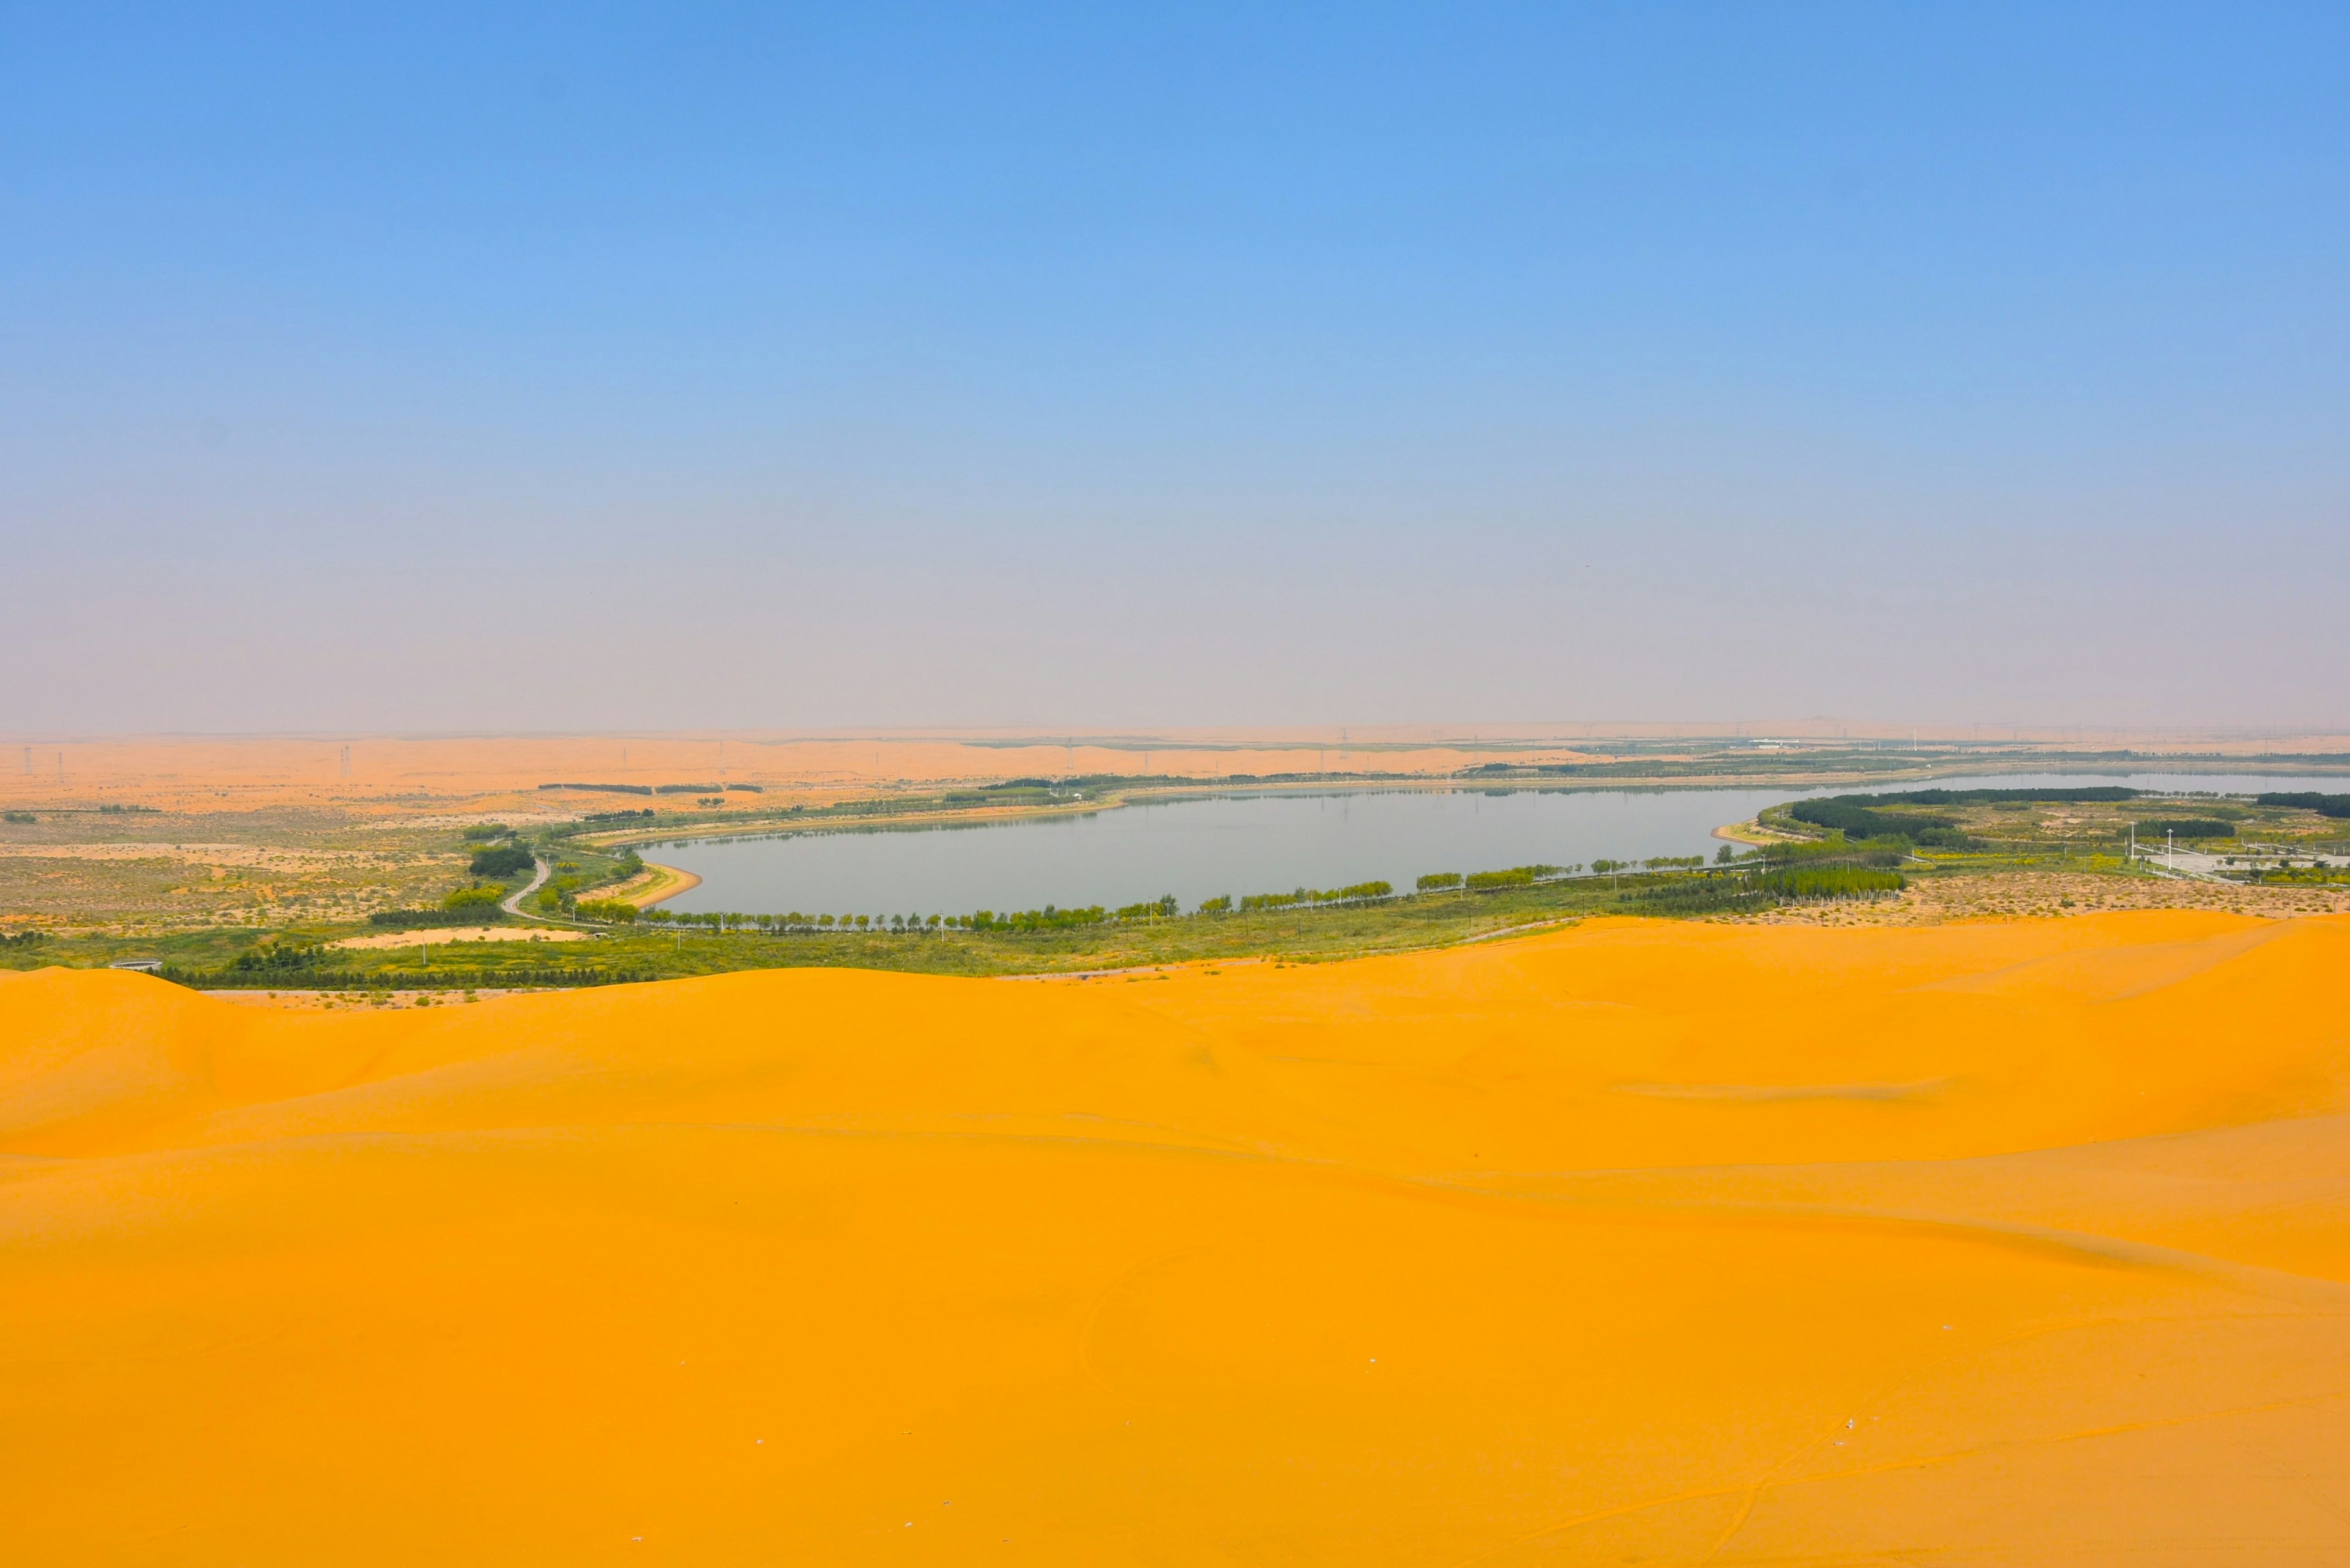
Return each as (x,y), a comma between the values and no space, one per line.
(594,367)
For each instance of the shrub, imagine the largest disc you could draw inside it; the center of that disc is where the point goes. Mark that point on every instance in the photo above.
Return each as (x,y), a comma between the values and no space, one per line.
(1216,906)
(480,897)
(459,915)
(507,860)
(479,831)
(273,956)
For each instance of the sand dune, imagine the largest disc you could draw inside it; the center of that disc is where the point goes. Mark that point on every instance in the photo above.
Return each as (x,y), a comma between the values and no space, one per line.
(2026,1242)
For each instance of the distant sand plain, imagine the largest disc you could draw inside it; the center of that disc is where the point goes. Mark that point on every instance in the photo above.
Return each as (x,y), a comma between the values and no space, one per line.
(390,774)
(2013,1242)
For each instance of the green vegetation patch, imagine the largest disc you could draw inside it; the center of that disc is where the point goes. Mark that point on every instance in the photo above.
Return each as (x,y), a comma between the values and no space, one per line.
(506,860)
(2308,800)
(461,915)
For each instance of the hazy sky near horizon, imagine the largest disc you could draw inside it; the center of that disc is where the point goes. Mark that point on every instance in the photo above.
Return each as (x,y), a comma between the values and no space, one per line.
(595,367)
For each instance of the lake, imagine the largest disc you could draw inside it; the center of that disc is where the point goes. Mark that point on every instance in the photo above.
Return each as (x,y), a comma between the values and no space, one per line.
(1205,847)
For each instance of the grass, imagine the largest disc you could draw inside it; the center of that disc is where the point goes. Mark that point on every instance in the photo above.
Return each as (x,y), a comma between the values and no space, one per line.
(295,881)
(1297,934)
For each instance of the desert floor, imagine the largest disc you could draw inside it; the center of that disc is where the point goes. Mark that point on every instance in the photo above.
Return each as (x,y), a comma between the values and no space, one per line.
(2015,1241)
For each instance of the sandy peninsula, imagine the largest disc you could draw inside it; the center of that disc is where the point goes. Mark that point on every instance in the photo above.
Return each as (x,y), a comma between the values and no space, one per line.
(2024,1241)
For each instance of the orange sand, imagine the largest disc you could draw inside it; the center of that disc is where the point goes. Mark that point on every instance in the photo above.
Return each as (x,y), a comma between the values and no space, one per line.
(2014,1243)
(390,774)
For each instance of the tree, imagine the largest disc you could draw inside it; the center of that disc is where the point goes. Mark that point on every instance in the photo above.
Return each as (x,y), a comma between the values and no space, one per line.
(506,860)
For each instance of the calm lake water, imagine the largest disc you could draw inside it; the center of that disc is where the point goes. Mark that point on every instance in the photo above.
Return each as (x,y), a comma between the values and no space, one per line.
(1207,846)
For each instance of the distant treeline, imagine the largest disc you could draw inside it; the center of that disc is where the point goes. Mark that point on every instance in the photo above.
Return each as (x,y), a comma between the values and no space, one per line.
(1808,882)
(1515,876)
(661,789)
(1486,881)
(2087,795)
(1857,822)
(1722,892)
(2308,800)
(2186,827)
(1048,918)
(1315,896)
(298,979)
(1855,816)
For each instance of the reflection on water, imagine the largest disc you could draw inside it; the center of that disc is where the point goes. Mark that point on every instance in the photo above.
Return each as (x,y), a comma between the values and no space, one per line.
(1203,847)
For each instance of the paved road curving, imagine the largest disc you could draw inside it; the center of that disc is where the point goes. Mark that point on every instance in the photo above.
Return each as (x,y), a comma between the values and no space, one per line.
(513,906)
